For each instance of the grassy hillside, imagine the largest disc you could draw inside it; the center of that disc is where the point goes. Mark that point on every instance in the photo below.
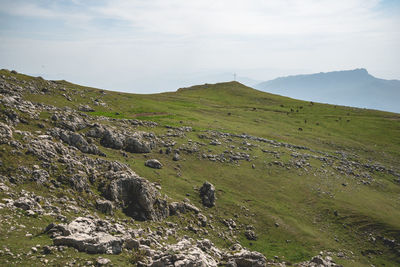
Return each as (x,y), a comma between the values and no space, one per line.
(312,182)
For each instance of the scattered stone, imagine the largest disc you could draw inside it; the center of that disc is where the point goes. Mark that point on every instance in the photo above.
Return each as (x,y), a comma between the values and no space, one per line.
(153,163)
(176,157)
(250,235)
(102,261)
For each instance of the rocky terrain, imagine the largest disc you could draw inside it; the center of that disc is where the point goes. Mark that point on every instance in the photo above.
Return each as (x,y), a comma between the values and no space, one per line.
(74,189)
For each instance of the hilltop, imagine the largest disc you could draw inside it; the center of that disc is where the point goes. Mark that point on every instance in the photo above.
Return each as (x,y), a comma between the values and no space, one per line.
(214,174)
(350,88)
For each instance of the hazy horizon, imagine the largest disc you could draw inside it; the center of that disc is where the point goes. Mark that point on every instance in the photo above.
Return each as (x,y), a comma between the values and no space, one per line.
(154,46)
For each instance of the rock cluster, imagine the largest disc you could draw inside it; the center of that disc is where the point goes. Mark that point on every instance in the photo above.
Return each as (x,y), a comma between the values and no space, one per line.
(202,253)
(137,142)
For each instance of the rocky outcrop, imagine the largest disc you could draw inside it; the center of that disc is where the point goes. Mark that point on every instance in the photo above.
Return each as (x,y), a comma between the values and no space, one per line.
(153,163)
(138,142)
(202,253)
(207,194)
(111,139)
(87,235)
(76,140)
(137,197)
(27,203)
(70,120)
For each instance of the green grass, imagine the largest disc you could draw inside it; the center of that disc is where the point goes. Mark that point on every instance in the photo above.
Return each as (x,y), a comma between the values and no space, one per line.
(302,202)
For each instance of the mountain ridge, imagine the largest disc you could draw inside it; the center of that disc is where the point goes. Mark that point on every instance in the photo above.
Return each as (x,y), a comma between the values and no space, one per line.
(350,87)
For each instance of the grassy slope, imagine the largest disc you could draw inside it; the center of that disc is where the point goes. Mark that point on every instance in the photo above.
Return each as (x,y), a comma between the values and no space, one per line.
(273,194)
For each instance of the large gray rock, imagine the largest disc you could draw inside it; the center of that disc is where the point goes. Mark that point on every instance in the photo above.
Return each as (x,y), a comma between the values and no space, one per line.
(137,145)
(87,235)
(207,194)
(153,163)
(137,196)
(96,243)
(112,139)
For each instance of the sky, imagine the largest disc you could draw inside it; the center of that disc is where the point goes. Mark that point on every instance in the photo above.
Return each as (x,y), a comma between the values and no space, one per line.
(147,46)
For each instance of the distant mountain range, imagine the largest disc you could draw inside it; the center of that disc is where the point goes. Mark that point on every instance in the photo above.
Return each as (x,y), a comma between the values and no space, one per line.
(349,88)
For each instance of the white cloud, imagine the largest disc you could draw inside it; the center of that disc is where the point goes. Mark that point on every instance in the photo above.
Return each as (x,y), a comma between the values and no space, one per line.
(258,17)
(30,9)
(120,44)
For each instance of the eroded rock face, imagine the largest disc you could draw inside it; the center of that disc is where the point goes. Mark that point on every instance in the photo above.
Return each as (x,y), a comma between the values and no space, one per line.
(87,235)
(207,194)
(137,196)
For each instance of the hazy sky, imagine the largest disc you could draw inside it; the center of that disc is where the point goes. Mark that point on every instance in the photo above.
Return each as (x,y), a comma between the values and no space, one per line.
(158,45)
